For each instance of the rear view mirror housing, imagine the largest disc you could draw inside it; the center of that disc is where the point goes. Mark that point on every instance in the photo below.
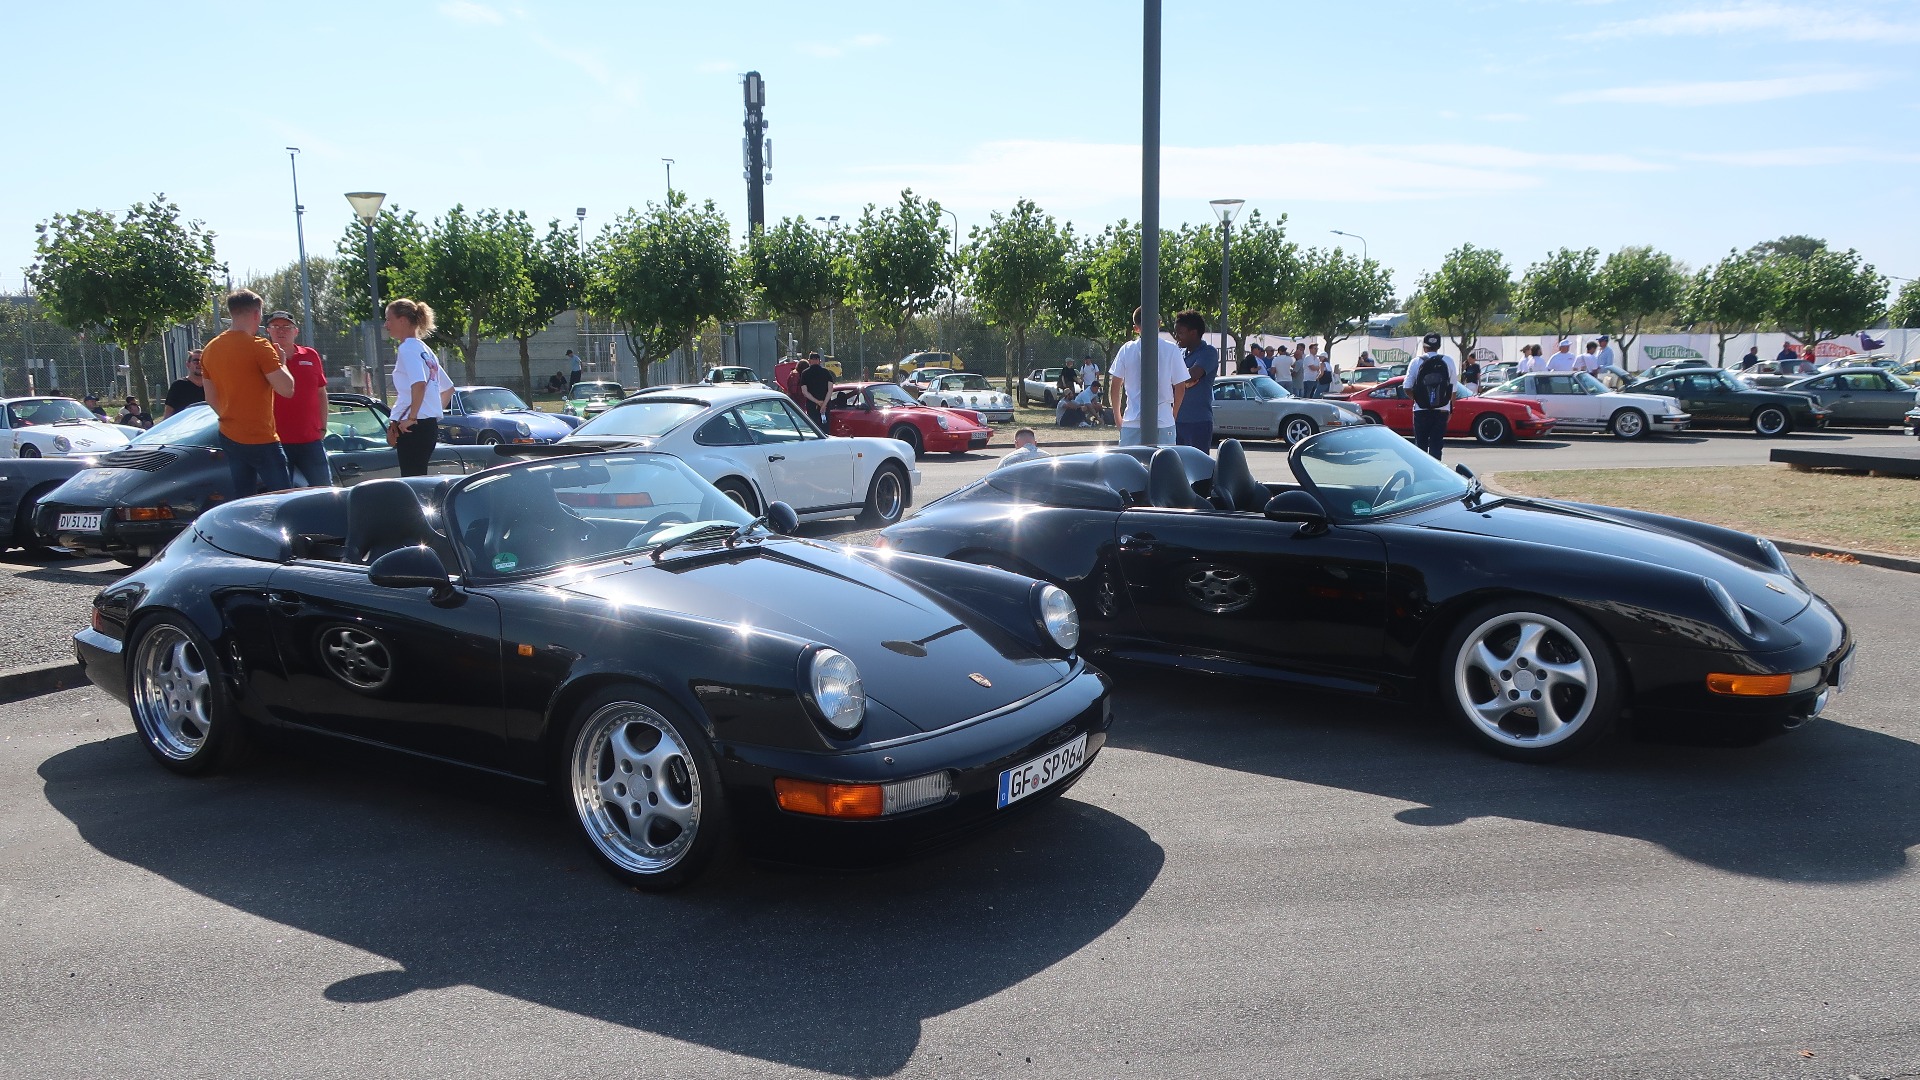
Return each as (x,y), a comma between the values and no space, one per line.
(1300,508)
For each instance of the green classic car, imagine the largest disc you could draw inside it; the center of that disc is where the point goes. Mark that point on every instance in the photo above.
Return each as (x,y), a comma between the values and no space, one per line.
(1713,397)
(587,400)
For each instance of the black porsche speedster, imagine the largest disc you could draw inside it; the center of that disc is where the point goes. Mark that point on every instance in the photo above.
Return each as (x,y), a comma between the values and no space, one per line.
(1537,624)
(613,625)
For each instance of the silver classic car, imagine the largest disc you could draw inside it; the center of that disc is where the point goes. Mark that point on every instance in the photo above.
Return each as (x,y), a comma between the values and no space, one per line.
(1256,407)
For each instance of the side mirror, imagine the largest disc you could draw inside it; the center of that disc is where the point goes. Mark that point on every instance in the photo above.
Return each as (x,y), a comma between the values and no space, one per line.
(416,567)
(782,518)
(1300,508)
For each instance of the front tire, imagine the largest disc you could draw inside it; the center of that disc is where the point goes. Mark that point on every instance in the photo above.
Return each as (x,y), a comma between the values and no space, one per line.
(1771,420)
(1370,418)
(886,496)
(643,788)
(488,438)
(28,450)
(1295,428)
(908,434)
(1628,424)
(178,696)
(741,493)
(1529,679)
(1492,429)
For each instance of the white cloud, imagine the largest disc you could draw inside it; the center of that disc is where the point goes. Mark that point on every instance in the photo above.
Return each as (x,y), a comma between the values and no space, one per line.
(1789,157)
(1741,92)
(472,14)
(1788,21)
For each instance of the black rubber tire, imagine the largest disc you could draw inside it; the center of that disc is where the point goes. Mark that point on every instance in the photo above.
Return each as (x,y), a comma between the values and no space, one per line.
(1607,688)
(910,435)
(740,492)
(227,736)
(1771,421)
(24,536)
(28,450)
(1492,429)
(1370,418)
(1628,424)
(1296,421)
(878,498)
(488,438)
(710,830)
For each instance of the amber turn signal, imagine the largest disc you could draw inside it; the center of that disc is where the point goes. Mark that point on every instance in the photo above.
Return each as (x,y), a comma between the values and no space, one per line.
(1750,685)
(163,512)
(829,800)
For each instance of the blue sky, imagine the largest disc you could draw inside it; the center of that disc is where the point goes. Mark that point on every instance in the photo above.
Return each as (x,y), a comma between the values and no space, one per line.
(1693,125)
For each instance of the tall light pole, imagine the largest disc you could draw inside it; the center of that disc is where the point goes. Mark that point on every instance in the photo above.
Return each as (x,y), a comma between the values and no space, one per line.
(833,308)
(1225,209)
(580,245)
(300,235)
(1365,331)
(953,289)
(669,164)
(1149,388)
(366,206)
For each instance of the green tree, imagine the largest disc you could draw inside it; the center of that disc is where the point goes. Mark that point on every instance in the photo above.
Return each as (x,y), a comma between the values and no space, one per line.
(1471,285)
(1827,294)
(1734,296)
(1905,312)
(899,265)
(1797,246)
(554,279)
(1335,291)
(396,234)
(662,274)
(1067,309)
(1013,265)
(1265,274)
(800,271)
(1636,284)
(131,277)
(1553,290)
(468,267)
(1113,284)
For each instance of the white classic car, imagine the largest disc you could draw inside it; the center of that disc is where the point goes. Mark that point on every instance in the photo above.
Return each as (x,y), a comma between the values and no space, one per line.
(33,427)
(968,390)
(1579,402)
(757,448)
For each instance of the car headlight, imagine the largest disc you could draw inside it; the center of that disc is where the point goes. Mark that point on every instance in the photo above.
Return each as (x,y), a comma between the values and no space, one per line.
(1059,617)
(62,443)
(1734,613)
(943,421)
(834,684)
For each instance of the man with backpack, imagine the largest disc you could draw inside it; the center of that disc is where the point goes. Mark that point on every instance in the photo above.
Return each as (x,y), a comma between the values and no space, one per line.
(1430,384)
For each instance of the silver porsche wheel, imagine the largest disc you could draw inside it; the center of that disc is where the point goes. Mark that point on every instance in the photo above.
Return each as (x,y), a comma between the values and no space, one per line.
(640,792)
(172,693)
(1295,428)
(1530,680)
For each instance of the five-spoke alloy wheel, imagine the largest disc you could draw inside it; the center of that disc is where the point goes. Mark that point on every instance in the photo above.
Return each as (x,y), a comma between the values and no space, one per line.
(644,788)
(179,702)
(1530,679)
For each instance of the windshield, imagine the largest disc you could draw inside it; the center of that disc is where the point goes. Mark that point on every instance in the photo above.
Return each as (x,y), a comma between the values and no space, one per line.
(593,389)
(195,425)
(1726,379)
(1363,473)
(733,374)
(641,418)
(965,382)
(1265,389)
(541,515)
(1590,385)
(33,412)
(887,395)
(494,399)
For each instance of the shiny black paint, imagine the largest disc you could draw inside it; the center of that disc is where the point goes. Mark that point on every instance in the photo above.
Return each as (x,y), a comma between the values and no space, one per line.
(22,482)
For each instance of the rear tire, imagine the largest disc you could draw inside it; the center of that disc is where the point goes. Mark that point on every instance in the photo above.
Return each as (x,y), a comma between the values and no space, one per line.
(24,536)
(1771,420)
(1628,424)
(1370,418)
(886,496)
(28,450)
(1492,429)
(741,493)
(177,693)
(910,435)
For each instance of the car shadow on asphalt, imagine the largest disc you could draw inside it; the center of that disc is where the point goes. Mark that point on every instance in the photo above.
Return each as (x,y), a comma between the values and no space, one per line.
(1828,803)
(458,882)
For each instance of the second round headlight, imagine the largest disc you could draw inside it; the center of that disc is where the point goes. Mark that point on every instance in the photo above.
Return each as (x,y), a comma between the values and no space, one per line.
(1059,617)
(836,689)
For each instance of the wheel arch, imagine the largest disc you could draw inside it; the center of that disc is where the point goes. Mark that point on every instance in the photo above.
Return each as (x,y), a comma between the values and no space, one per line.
(571,694)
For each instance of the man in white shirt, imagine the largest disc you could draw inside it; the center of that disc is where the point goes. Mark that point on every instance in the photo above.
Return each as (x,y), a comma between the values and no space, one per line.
(1025,448)
(1089,373)
(1562,358)
(1588,361)
(1171,372)
(1606,357)
(1280,364)
(1310,378)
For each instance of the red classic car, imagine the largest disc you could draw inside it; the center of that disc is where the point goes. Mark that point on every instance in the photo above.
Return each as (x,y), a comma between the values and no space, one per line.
(883,409)
(1486,420)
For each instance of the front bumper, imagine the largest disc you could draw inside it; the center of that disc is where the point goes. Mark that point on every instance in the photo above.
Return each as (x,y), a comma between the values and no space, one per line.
(1670,684)
(972,753)
(954,442)
(1667,425)
(103,660)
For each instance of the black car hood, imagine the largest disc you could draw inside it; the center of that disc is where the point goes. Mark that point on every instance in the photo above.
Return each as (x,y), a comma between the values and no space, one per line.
(1576,532)
(916,653)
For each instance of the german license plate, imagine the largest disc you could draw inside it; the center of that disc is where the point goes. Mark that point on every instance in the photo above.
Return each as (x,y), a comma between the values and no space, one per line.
(1049,768)
(79,522)
(1843,673)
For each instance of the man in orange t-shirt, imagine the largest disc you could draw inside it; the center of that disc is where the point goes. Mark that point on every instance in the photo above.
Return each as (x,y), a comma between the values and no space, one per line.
(243,373)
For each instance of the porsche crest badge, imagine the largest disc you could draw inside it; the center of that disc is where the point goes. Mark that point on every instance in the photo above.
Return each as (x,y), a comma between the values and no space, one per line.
(981,679)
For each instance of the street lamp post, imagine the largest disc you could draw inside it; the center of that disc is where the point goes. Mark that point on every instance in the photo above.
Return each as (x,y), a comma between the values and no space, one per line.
(1225,209)
(669,163)
(366,206)
(300,235)
(953,292)
(1365,330)
(580,246)
(833,308)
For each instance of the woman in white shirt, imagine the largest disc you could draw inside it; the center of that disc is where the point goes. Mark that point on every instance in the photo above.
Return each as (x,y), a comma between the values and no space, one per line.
(420,385)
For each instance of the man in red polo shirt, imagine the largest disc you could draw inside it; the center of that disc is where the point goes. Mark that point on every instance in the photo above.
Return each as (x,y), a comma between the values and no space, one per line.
(301,419)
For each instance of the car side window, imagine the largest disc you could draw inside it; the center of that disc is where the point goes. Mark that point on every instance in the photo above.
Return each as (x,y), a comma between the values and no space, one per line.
(1701,384)
(799,421)
(1863,381)
(1229,392)
(770,422)
(723,430)
(1556,384)
(1821,384)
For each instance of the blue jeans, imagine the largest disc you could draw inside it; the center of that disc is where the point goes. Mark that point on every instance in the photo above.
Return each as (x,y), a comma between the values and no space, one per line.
(308,461)
(255,467)
(1195,433)
(1134,435)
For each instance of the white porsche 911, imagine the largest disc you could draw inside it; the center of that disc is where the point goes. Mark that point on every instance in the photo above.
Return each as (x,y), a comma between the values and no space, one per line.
(32,427)
(1579,402)
(757,448)
(969,390)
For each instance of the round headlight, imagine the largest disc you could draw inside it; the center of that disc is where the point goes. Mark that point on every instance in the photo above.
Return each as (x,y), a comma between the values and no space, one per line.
(945,423)
(62,443)
(522,429)
(837,693)
(1059,616)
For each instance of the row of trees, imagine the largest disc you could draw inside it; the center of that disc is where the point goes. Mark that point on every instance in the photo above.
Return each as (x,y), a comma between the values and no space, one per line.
(663,274)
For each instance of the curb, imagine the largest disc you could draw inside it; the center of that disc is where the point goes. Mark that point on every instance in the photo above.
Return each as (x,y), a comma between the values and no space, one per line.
(1869,558)
(40,679)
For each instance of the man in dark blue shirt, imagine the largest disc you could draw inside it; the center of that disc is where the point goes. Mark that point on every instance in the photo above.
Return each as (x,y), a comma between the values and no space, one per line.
(1193,418)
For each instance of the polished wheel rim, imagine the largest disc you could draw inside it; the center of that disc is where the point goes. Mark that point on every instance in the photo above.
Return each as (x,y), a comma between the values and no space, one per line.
(739,497)
(173,693)
(1298,429)
(1771,421)
(488,438)
(1628,425)
(886,495)
(1369,418)
(1525,680)
(635,788)
(1491,429)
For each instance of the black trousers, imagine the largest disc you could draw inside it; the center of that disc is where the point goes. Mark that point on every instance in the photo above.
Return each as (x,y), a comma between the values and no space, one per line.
(1430,429)
(415,447)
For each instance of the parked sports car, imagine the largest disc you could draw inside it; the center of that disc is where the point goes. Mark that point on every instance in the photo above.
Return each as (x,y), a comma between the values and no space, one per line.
(1041,385)
(883,410)
(32,427)
(1488,421)
(1713,396)
(920,378)
(1858,396)
(732,375)
(941,361)
(1776,374)
(968,390)
(1256,407)
(587,400)
(140,497)
(1538,624)
(614,627)
(22,482)
(486,415)
(758,449)
(1365,377)
(1578,401)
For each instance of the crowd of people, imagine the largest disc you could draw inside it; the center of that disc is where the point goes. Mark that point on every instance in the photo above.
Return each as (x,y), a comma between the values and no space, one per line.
(1304,370)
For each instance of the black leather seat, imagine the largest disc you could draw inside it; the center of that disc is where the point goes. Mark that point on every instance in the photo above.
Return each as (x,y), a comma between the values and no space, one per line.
(1167,483)
(383,515)
(1233,484)
(528,523)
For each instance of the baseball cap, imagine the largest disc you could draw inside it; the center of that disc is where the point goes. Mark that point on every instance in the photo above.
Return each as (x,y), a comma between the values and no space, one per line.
(91,397)
(1567,341)
(1431,341)
(1602,337)
(278,315)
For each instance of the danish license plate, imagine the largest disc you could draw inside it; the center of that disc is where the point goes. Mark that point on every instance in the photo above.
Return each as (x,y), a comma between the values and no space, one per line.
(78,523)
(1049,768)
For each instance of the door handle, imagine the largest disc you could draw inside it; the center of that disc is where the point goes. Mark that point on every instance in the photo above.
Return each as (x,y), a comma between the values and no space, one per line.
(776,457)
(284,603)
(349,466)
(1142,544)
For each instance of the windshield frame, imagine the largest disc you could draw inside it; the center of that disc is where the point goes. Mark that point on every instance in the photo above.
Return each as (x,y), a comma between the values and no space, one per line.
(467,398)
(1456,487)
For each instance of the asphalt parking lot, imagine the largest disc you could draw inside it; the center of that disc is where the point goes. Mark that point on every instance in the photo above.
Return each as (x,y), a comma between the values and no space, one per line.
(1249,881)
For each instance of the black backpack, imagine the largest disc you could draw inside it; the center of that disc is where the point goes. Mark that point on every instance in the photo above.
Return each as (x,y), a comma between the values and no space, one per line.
(1432,384)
